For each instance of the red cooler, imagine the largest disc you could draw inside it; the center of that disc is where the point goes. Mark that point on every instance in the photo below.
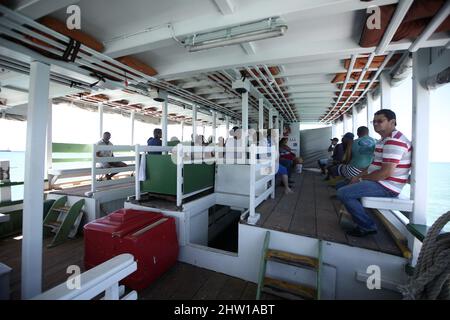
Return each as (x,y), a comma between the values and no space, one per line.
(150,237)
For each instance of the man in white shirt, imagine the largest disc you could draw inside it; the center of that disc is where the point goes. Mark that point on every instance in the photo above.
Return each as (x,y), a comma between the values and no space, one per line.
(108,153)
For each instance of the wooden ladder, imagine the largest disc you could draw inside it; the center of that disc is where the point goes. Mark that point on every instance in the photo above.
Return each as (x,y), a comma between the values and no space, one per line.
(62,226)
(284,289)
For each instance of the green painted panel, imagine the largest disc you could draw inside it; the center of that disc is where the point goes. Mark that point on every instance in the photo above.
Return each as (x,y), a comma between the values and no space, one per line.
(161,175)
(71,148)
(198,176)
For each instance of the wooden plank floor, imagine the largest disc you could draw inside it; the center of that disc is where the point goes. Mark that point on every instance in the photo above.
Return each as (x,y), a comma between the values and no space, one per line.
(182,281)
(313,211)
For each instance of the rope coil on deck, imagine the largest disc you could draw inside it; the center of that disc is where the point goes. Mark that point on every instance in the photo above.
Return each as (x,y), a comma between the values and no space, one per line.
(431,278)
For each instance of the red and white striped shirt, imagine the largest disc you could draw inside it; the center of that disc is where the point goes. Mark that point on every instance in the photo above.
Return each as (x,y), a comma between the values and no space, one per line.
(395,149)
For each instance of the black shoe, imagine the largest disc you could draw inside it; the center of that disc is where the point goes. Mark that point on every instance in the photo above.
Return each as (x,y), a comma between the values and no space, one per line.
(357,232)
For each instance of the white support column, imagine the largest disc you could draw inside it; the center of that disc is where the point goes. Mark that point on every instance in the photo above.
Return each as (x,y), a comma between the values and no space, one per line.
(281,127)
(333,129)
(49,150)
(420,141)
(132,116)
(270,118)
(354,120)
(214,126)
(244,120)
(346,123)
(194,122)
(164,118)
(100,119)
(372,132)
(227,126)
(182,130)
(385,86)
(34,180)
(261,114)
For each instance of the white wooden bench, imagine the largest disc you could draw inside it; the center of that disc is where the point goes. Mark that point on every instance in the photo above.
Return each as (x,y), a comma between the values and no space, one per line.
(400,203)
(55,174)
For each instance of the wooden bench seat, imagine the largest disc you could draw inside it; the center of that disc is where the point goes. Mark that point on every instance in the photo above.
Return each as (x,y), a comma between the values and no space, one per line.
(400,203)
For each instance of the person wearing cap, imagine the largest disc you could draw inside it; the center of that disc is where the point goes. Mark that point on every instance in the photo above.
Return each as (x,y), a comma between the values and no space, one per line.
(323,163)
(385,177)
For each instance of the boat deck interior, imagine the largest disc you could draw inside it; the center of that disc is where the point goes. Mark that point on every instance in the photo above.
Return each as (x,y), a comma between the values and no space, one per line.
(313,211)
(182,281)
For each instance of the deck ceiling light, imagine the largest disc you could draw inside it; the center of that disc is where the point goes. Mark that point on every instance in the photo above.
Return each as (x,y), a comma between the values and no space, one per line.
(259,30)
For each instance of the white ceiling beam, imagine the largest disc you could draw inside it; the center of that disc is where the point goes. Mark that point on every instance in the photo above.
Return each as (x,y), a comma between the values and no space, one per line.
(219,96)
(225,7)
(249,48)
(283,52)
(253,10)
(196,84)
(210,90)
(36,9)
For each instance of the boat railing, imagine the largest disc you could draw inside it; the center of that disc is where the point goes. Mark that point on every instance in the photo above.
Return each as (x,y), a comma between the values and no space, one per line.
(99,167)
(261,160)
(103,278)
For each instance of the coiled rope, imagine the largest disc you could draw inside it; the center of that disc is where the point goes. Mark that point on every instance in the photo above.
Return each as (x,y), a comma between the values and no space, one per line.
(431,278)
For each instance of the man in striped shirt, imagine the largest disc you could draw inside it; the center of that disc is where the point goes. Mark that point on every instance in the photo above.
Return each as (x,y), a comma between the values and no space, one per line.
(385,177)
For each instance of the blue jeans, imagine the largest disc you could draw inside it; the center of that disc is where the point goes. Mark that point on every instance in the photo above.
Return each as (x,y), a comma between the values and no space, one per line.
(350,195)
(342,183)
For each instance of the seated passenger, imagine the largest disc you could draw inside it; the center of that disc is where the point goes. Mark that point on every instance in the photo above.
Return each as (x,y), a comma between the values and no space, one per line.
(105,142)
(339,152)
(361,157)
(155,141)
(385,177)
(325,162)
(283,172)
(287,157)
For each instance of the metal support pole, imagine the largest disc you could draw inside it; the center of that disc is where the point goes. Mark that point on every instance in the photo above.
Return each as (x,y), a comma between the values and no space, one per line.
(420,141)
(49,151)
(132,116)
(164,119)
(270,118)
(227,126)
(385,86)
(372,132)
(214,126)
(33,196)
(100,119)
(182,130)
(244,120)
(346,123)
(281,127)
(354,120)
(194,122)
(261,114)
(333,129)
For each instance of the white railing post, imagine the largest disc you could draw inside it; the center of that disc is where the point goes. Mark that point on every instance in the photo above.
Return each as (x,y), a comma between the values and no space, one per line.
(273,169)
(137,183)
(34,179)
(420,141)
(179,174)
(253,216)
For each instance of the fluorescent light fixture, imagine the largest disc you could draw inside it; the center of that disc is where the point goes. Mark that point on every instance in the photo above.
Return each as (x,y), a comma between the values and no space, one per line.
(259,30)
